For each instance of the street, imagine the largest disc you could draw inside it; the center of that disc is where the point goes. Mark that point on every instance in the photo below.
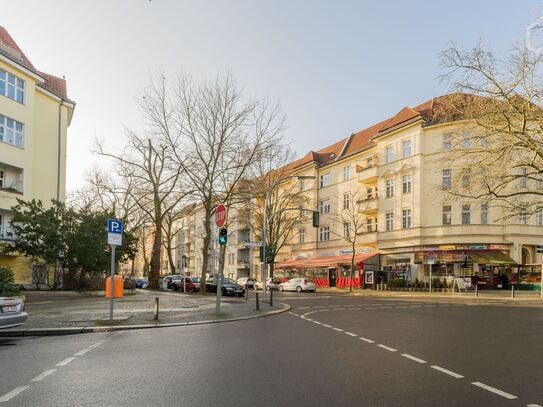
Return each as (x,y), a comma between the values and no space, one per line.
(327,351)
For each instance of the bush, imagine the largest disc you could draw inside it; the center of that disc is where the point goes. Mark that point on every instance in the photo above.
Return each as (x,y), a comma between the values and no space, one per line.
(7,286)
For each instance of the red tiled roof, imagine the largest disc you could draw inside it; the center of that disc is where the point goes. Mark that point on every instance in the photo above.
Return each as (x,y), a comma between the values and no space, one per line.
(11,50)
(401,117)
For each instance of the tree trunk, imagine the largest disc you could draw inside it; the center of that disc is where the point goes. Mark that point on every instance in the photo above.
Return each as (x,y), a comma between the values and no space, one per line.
(352,270)
(205,249)
(154,275)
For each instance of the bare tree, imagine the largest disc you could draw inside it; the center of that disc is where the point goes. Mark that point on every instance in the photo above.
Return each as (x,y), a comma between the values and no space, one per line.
(152,182)
(215,136)
(497,152)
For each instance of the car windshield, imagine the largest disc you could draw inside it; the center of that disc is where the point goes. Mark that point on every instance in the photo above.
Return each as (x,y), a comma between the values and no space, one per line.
(195,279)
(228,281)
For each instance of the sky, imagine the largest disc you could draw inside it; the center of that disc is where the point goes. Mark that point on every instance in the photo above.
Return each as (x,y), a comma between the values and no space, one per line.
(334,67)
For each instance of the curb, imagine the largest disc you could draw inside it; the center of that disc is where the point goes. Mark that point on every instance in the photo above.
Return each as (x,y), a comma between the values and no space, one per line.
(85,330)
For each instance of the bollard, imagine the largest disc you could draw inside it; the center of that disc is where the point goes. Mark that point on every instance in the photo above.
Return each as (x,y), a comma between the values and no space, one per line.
(476,290)
(155,317)
(271,298)
(246,292)
(512,291)
(257,302)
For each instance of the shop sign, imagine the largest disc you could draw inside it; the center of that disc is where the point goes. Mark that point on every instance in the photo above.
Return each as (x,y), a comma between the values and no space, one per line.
(498,247)
(447,247)
(365,250)
(477,247)
(349,251)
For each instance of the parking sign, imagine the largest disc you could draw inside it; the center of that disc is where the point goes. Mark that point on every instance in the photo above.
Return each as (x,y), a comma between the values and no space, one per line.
(114,232)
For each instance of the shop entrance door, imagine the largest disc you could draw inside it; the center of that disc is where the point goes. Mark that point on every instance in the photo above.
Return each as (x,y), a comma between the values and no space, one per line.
(332,275)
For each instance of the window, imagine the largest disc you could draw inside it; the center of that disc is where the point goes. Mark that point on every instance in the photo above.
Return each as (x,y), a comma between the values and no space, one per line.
(484,142)
(446,215)
(301,236)
(302,184)
(346,201)
(539,217)
(465,180)
(484,214)
(406,218)
(346,230)
(346,173)
(389,154)
(389,221)
(446,183)
(2,179)
(369,225)
(523,182)
(325,206)
(11,131)
(406,148)
(369,193)
(466,139)
(447,142)
(324,233)
(302,211)
(406,183)
(11,86)
(369,162)
(523,216)
(325,180)
(389,188)
(466,214)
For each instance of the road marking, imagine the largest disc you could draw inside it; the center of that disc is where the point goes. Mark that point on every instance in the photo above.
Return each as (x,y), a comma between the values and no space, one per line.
(65,361)
(405,355)
(319,306)
(387,306)
(340,309)
(356,308)
(367,340)
(494,390)
(327,326)
(371,308)
(337,329)
(308,319)
(387,348)
(82,352)
(349,333)
(13,393)
(415,306)
(43,375)
(303,307)
(95,345)
(317,322)
(450,373)
(533,405)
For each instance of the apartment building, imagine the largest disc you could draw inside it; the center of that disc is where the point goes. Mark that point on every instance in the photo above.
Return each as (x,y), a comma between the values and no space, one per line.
(35,113)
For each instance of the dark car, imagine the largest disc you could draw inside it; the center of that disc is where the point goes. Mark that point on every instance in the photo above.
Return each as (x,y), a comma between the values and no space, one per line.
(142,282)
(184,285)
(229,287)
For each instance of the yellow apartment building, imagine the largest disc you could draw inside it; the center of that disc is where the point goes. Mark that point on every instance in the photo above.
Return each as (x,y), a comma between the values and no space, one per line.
(35,113)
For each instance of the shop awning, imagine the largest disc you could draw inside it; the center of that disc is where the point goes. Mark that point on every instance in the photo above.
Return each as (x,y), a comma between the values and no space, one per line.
(490,257)
(321,262)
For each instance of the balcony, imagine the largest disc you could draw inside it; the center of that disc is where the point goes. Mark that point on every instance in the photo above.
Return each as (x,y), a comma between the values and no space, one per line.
(368,205)
(243,264)
(11,179)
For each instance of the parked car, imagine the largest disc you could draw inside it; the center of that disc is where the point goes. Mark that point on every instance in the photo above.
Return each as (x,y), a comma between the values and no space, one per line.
(247,282)
(196,281)
(11,312)
(183,285)
(166,281)
(229,287)
(271,284)
(298,284)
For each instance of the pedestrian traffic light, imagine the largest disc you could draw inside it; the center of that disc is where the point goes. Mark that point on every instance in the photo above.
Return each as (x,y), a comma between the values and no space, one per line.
(316,219)
(539,249)
(223,236)
(269,254)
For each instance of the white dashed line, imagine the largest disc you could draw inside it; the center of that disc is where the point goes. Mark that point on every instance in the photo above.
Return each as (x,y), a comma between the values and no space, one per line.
(65,362)
(337,329)
(319,306)
(387,348)
(494,390)
(405,355)
(450,373)
(327,326)
(367,340)
(533,405)
(43,375)
(13,393)
(309,319)
(317,322)
(415,306)
(350,334)
(82,352)
(95,345)
(340,309)
(304,307)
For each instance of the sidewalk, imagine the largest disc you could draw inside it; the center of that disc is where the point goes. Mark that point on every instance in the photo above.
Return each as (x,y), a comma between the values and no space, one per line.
(59,313)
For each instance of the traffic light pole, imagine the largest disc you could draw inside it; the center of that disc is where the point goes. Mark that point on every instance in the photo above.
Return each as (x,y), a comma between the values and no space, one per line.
(219,279)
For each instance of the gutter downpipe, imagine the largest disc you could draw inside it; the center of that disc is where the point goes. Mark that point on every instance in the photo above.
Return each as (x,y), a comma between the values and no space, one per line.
(59,146)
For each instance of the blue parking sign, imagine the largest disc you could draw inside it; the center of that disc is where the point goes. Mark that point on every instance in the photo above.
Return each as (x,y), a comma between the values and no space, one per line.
(114,232)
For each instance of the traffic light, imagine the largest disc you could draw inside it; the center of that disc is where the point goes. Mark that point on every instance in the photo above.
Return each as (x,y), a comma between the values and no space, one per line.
(223,236)
(269,254)
(539,249)
(316,219)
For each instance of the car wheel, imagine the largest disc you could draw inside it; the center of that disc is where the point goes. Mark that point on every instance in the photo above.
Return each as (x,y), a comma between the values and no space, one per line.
(299,289)
(223,291)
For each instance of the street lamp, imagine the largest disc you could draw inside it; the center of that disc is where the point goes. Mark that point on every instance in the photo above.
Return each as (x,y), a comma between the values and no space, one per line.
(267,198)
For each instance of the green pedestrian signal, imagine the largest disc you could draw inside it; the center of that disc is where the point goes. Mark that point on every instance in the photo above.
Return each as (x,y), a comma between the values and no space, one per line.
(223,236)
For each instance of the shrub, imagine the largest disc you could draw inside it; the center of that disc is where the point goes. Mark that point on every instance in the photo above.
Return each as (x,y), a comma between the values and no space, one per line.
(7,286)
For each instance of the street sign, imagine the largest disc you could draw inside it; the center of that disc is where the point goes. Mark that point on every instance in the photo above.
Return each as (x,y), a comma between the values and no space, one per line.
(220,215)
(114,232)
(252,244)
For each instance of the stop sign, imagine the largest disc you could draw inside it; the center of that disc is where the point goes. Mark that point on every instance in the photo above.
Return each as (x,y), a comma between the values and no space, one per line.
(220,215)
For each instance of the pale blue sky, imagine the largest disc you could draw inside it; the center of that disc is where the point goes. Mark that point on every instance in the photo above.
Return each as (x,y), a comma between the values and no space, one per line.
(335,67)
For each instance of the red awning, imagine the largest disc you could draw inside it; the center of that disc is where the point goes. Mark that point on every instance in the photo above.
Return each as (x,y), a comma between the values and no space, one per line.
(320,262)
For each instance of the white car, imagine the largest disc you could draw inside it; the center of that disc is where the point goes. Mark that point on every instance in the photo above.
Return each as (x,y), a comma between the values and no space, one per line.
(271,284)
(298,284)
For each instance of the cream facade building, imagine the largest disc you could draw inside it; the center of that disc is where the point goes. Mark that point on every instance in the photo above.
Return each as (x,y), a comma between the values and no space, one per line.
(35,113)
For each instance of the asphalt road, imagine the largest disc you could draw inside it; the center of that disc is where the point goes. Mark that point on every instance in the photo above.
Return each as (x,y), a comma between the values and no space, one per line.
(328,351)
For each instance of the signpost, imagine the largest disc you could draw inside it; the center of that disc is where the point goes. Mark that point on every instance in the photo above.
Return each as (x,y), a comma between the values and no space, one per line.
(220,221)
(430,262)
(114,238)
